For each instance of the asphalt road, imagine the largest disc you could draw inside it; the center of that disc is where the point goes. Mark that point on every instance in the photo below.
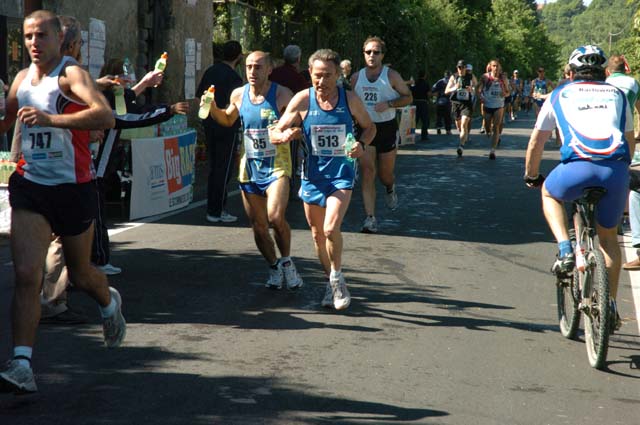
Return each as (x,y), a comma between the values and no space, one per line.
(453,318)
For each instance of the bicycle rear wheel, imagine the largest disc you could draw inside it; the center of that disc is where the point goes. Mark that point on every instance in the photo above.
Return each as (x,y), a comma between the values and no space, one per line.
(568,313)
(597,316)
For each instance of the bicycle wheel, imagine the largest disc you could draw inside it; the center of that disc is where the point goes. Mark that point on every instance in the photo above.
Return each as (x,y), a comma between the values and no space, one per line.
(597,316)
(568,313)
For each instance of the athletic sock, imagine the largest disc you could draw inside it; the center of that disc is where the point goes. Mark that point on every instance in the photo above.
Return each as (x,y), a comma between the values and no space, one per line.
(22,354)
(109,310)
(285,261)
(564,247)
(274,266)
(335,274)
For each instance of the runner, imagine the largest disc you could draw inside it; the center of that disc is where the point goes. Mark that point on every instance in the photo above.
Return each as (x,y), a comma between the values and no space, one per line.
(541,88)
(492,90)
(596,129)
(57,104)
(516,94)
(461,87)
(382,89)
(326,113)
(265,168)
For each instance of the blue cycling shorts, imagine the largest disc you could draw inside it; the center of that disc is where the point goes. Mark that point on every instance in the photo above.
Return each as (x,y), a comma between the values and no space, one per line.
(567,181)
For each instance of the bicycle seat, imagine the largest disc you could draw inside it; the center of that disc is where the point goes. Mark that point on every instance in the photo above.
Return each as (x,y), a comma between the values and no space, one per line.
(592,195)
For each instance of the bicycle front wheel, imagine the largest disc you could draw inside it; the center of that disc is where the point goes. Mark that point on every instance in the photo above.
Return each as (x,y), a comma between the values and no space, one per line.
(597,314)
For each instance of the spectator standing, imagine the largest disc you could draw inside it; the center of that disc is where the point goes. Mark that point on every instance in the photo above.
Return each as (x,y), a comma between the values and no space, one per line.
(288,74)
(345,74)
(221,140)
(443,104)
(421,92)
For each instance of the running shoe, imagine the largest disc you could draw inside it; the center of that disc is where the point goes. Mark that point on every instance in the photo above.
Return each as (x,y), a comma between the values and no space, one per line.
(327,301)
(616,321)
(224,217)
(460,151)
(276,277)
(341,296)
(109,269)
(439,131)
(492,155)
(70,316)
(564,265)
(114,328)
(17,379)
(482,130)
(370,225)
(291,276)
(391,198)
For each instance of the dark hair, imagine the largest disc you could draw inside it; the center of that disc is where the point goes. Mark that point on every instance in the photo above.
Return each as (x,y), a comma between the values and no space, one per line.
(325,55)
(113,66)
(231,50)
(588,73)
(72,31)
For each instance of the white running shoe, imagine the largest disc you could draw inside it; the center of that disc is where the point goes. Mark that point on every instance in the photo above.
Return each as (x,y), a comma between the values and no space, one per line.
(391,198)
(370,225)
(224,217)
(276,277)
(17,379)
(110,270)
(341,296)
(327,301)
(291,276)
(114,328)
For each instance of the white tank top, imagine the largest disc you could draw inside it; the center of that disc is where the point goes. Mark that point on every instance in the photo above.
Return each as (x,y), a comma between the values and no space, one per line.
(53,156)
(378,91)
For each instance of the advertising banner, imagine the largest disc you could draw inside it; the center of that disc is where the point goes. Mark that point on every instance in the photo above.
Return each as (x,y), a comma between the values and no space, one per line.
(163,174)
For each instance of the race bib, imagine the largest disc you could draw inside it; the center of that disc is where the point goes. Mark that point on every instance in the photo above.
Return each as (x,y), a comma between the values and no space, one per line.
(328,140)
(370,97)
(462,94)
(257,144)
(40,144)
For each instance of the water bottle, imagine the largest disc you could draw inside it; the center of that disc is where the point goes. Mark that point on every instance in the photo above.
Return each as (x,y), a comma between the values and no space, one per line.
(205,108)
(349,143)
(580,260)
(118,93)
(129,73)
(271,120)
(161,63)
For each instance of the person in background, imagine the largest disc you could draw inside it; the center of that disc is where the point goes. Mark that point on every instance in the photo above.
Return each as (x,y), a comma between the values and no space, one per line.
(345,74)
(221,140)
(288,74)
(443,104)
(421,92)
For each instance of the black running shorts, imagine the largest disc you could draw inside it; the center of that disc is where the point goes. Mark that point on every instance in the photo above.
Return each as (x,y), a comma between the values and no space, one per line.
(69,208)
(387,136)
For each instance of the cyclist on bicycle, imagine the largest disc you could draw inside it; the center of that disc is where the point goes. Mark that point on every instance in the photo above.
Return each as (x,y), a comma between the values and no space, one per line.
(596,128)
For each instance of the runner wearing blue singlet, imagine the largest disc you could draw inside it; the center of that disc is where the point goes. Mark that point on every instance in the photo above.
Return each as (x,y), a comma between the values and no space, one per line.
(265,168)
(596,128)
(326,113)
(541,88)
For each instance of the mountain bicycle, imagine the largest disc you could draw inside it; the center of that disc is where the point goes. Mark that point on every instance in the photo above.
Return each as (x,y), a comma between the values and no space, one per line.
(586,290)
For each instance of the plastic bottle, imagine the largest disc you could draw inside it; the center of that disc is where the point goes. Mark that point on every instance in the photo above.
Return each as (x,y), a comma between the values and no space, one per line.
(580,260)
(129,73)
(161,63)
(271,120)
(204,110)
(118,93)
(349,143)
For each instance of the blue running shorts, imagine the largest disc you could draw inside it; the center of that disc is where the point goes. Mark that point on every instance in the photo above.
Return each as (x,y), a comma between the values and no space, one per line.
(567,181)
(257,188)
(316,192)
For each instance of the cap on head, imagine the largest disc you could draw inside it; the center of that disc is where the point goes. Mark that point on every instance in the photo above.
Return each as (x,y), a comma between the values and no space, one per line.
(460,63)
(588,55)
(469,67)
(516,71)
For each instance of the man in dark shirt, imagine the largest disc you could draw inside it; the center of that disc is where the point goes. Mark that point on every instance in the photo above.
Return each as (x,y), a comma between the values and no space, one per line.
(443,104)
(221,140)
(288,74)
(421,92)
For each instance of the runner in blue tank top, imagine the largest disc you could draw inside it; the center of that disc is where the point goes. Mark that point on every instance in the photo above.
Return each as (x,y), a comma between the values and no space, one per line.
(265,168)
(326,114)
(596,129)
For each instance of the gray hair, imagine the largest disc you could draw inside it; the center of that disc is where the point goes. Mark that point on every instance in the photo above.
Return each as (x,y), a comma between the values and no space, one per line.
(71,30)
(345,62)
(325,55)
(291,54)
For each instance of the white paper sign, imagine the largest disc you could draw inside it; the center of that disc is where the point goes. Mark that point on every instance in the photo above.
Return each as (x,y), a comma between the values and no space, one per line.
(189,68)
(97,44)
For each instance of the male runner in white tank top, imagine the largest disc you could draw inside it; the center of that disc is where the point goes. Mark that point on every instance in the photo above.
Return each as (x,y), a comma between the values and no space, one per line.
(382,89)
(57,104)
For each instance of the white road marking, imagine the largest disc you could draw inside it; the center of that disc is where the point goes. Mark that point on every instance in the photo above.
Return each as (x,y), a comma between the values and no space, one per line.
(634,277)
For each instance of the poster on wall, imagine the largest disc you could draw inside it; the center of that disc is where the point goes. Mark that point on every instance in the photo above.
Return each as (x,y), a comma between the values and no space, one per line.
(189,68)
(97,44)
(163,174)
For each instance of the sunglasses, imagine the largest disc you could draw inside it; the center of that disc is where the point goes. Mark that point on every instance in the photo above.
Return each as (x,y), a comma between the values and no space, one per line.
(372,52)
(541,70)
